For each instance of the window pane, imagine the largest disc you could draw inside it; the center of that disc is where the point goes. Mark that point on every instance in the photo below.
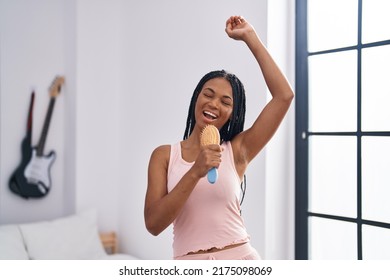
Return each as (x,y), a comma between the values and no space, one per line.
(332,175)
(332,92)
(331,24)
(376,20)
(376,88)
(376,243)
(376,178)
(331,239)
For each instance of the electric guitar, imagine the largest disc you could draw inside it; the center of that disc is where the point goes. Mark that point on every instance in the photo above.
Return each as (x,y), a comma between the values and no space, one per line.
(32,177)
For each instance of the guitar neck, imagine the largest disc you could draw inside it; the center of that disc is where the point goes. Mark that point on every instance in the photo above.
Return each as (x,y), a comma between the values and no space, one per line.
(30,113)
(45,129)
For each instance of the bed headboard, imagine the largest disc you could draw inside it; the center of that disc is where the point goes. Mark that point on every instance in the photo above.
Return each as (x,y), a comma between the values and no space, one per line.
(109,242)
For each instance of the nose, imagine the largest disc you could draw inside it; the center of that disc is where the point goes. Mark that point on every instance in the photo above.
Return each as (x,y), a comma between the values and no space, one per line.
(214,103)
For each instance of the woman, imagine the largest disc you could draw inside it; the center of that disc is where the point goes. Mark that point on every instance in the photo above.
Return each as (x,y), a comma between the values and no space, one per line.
(206,218)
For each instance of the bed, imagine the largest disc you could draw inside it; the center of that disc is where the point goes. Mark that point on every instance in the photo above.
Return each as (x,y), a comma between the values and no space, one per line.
(74,237)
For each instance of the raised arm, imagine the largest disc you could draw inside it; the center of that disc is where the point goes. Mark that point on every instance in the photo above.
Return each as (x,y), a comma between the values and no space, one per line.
(250,142)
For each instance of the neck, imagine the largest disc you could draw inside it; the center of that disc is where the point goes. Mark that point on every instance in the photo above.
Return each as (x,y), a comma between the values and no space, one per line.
(193,140)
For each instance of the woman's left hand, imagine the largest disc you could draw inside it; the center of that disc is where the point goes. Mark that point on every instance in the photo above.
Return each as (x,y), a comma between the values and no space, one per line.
(238,28)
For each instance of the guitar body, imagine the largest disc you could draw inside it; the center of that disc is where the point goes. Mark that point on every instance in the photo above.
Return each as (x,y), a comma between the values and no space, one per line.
(18,183)
(37,170)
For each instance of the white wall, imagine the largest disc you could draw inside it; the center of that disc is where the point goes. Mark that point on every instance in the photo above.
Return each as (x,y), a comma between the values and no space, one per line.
(31,54)
(98,127)
(131,67)
(280,152)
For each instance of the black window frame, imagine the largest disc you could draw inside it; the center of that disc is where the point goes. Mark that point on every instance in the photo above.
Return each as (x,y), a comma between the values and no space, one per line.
(302,135)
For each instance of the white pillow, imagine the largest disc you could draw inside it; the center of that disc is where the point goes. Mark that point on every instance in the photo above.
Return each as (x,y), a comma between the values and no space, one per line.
(11,243)
(120,257)
(71,238)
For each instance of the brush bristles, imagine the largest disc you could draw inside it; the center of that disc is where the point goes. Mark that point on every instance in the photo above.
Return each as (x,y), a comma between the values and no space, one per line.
(209,135)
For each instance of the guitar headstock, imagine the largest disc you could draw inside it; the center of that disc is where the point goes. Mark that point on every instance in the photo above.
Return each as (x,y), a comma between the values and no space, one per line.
(55,86)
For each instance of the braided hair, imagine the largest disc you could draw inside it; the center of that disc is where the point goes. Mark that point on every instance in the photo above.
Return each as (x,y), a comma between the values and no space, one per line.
(235,124)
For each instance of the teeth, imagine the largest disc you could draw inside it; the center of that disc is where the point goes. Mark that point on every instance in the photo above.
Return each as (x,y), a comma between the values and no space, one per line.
(210,114)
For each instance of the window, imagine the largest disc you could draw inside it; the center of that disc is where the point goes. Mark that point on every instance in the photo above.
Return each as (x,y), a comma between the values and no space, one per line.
(342,129)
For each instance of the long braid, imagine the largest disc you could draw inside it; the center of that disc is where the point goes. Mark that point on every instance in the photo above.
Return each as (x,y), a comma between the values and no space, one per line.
(236,124)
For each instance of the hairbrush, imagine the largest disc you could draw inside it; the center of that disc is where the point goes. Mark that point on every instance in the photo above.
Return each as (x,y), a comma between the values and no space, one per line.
(209,136)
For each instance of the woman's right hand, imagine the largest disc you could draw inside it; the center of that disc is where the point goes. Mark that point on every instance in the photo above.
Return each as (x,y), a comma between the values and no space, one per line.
(208,157)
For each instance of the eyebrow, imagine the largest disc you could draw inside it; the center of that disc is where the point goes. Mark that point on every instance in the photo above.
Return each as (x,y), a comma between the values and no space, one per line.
(213,91)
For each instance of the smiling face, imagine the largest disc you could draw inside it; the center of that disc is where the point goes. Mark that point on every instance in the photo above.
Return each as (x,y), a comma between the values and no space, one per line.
(215,103)
(218,99)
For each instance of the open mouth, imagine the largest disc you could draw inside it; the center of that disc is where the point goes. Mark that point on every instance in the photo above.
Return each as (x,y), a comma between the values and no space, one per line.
(209,115)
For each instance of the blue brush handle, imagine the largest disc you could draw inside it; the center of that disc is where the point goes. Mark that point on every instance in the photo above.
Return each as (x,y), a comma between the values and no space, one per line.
(212,175)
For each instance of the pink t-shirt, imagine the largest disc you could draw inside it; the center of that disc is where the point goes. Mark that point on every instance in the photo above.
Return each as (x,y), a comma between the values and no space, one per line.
(211,216)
